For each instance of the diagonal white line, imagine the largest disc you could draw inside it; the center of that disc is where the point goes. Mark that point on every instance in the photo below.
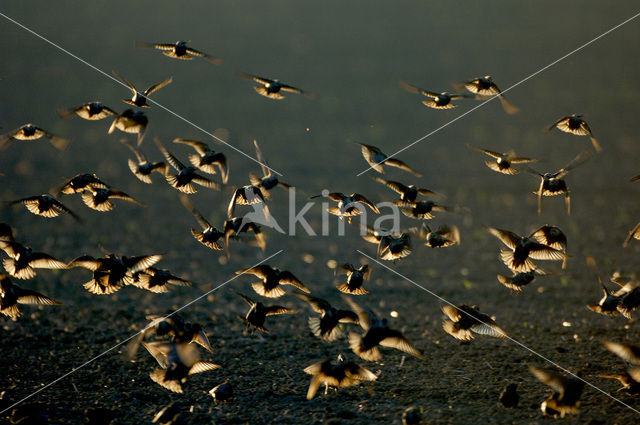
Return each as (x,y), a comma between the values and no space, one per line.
(132,336)
(124,85)
(577,49)
(507,336)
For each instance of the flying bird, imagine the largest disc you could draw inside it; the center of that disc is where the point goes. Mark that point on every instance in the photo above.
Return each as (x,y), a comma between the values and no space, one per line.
(503,162)
(377,332)
(608,304)
(522,249)
(485,87)
(141,167)
(206,159)
(576,125)
(99,199)
(272,280)
(420,210)
(29,132)
(91,111)
(156,280)
(627,352)
(247,195)
(11,295)
(552,236)
(566,392)
(268,180)
(343,374)
(519,280)
(408,193)
(130,121)
(180,50)
(436,100)
(463,321)
(23,261)
(326,327)
(377,159)
(258,312)
(45,206)
(186,176)
(272,88)
(209,235)
(355,279)
(140,99)
(80,182)
(348,206)
(236,225)
(442,237)
(552,184)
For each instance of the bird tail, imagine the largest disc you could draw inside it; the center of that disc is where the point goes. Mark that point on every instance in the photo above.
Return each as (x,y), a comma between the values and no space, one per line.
(344,288)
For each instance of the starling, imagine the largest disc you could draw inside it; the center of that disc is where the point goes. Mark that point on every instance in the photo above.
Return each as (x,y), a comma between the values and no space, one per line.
(503,162)
(576,125)
(326,327)
(436,100)
(209,235)
(268,180)
(11,295)
(91,111)
(272,280)
(376,159)
(45,206)
(142,168)
(509,396)
(393,248)
(180,50)
(553,237)
(186,175)
(80,182)
(23,261)
(566,392)
(133,122)
(30,132)
(348,206)
(156,280)
(407,193)
(343,374)
(608,304)
(519,280)
(633,234)
(377,332)
(443,237)
(236,225)
(485,87)
(206,159)
(552,184)
(355,279)
(523,249)
(420,210)
(140,99)
(464,319)
(258,313)
(99,199)
(247,195)
(273,88)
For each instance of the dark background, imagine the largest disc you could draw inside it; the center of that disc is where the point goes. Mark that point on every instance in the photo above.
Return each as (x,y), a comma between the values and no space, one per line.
(353,56)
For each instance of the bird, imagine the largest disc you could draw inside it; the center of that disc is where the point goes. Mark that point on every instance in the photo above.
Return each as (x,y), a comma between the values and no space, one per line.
(629,295)
(520,280)
(436,100)
(273,88)
(268,180)
(553,237)
(186,176)
(377,332)
(420,210)
(236,225)
(633,234)
(11,295)
(272,280)
(464,320)
(627,352)
(326,327)
(140,99)
(258,313)
(522,249)
(393,247)
(552,184)
(30,132)
(485,87)
(443,237)
(206,159)
(509,397)
(566,391)
(608,304)
(635,178)
(355,279)
(209,236)
(23,261)
(247,195)
(503,162)
(172,325)
(99,199)
(180,50)
(182,360)
(156,280)
(112,272)
(348,206)
(377,159)
(141,167)
(222,392)
(80,182)
(407,193)
(91,111)
(45,206)
(130,121)
(576,125)
(341,375)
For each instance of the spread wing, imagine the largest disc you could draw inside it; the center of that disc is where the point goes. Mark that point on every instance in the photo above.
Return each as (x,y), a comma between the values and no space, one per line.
(507,237)
(158,86)
(200,147)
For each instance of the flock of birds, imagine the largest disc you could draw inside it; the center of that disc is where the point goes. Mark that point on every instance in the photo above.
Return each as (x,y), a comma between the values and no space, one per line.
(172,341)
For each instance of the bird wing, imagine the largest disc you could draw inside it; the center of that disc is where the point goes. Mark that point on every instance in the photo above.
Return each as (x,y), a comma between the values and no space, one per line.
(125,82)
(121,195)
(393,185)
(140,263)
(318,305)
(175,163)
(486,151)
(139,155)
(393,162)
(507,237)
(158,86)
(87,262)
(287,278)
(255,78)
(543,252)
(260,271)
(395,339)
(550,378)
(359,198)
(263,163)
(627,352)
(580,159)
(200,147)
(451,312)
(27,296)
(278,309)
(203,366)
(40,260)
(364,316)
(199,217)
